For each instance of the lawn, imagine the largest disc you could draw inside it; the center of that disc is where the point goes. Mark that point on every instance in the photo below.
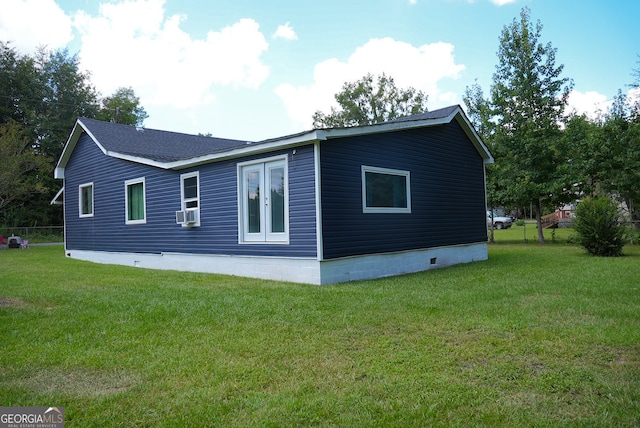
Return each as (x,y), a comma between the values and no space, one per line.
(535,336)
(528,234)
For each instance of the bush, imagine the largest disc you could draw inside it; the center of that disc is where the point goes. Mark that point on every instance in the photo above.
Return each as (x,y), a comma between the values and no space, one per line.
(599,228)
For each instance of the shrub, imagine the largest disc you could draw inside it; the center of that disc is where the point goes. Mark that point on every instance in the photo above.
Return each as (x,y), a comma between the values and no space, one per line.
(599,228)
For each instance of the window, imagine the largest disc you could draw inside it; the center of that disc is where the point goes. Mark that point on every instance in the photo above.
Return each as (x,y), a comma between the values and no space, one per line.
(264,201)
(190,193)
(85,201)
(385,190)
(134,201)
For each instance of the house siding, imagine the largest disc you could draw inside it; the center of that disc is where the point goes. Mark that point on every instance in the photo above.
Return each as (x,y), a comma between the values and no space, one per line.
(218,233)
(447,192)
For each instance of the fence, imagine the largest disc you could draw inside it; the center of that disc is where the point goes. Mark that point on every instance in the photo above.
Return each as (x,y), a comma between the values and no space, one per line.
(35,234)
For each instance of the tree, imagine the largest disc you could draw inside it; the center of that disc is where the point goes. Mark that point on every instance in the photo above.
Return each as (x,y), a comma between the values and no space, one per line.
(364,103)
(620,166)
(68,94)
(123,107)
(45,94)
(522,118)
(20,87)
(19,162)
(585,156)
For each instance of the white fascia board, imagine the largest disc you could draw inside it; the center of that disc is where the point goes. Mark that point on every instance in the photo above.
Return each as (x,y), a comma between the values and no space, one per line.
(457,114)
(70,145)
(250,149)
(384,127)
(57,199)
(475,138)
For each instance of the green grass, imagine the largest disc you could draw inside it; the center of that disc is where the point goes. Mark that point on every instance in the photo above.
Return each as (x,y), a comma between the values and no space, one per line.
(535,336)
(528,234)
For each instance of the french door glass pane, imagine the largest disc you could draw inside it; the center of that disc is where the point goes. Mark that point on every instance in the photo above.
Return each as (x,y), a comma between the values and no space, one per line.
(253,201)
(276,179)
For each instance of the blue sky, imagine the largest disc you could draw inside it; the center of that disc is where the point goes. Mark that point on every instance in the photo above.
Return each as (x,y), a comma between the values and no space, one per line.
(251,69)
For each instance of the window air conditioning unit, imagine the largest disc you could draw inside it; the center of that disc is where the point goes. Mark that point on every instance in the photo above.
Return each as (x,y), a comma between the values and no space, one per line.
(190,216)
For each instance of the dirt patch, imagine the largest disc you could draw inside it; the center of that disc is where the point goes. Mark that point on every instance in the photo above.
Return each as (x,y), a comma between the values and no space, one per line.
(82,382)
(10,302)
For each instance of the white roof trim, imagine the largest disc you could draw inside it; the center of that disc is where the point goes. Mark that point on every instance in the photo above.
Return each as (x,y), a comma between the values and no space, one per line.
(70,145)
(57,199)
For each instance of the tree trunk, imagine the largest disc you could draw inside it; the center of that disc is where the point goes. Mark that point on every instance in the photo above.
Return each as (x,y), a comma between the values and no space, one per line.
(491,236)
(539,221)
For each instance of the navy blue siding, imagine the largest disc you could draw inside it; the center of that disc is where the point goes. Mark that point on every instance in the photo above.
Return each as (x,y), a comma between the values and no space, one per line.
(218,233)
(447,192)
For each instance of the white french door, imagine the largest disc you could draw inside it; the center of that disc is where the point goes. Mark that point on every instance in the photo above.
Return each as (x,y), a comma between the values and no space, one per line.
(264,201)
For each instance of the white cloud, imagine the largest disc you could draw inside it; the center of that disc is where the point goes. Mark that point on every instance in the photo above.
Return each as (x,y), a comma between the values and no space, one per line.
(590,103)
(31,23)
(134,44)
(502,2)
(285,32)
(421,67)
(633,96)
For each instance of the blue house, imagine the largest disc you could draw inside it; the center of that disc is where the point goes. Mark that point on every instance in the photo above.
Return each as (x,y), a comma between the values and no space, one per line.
(319,207)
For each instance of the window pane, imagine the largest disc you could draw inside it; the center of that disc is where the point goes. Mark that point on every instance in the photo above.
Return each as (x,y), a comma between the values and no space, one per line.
(135,201)
(86,195)
(190,187)
(276,178)
(253,201)
(386,190)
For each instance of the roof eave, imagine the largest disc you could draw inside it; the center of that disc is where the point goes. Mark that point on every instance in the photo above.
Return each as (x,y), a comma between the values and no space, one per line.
(250,149)
(457,114)
(70,145)
(476,140)
(278,143)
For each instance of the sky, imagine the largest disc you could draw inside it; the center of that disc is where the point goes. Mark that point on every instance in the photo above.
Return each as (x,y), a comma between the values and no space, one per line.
(255,69)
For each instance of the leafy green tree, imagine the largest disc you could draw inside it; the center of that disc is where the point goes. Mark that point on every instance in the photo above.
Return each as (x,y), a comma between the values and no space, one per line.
(20,87)
(522,118)
(123,107)
(68,94)
(366,102)
(19,163)
(620,165)
(582,172)
(44,94)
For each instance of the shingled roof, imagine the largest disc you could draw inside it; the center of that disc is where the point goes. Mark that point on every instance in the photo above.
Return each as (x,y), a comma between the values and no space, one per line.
(161,146)
(174,150)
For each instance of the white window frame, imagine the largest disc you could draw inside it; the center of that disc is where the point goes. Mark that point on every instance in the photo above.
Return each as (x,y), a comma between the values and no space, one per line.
(386,210)
(184,201)
(144,200)
(265,236)
(80,199)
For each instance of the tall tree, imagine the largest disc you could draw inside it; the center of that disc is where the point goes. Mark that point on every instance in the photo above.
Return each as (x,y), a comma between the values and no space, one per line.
(19,162)
(586,155)
(366,102)
(68,95)
(620,137)
(528,99)
(123,107)
(43,94)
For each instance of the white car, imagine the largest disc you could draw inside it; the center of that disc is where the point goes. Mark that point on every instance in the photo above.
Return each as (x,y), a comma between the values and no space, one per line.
(499,222)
